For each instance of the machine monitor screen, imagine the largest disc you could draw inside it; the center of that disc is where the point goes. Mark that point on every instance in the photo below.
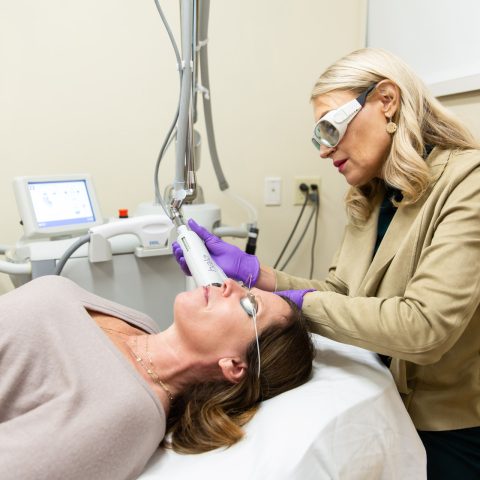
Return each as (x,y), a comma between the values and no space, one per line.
(56,206)
(61,203)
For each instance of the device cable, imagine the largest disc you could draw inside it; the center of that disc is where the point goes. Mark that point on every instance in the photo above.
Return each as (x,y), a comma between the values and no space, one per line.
(169,136)
(208,115)
(166,143)
(207,105)
(300,240)
(169,32)
(69,252)
(304,188)
(251,246)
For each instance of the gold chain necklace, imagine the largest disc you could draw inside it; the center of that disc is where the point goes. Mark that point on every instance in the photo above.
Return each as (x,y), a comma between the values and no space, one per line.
(151,371)
(116,331)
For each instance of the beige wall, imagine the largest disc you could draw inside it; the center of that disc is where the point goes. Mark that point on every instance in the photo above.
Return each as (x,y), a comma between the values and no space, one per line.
(91,86)
(467,107)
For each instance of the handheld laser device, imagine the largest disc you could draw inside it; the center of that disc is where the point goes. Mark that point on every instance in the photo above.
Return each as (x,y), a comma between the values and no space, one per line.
(203,269)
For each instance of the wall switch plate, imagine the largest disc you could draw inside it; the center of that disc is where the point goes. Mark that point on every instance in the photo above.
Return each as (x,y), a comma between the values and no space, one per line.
(273,191)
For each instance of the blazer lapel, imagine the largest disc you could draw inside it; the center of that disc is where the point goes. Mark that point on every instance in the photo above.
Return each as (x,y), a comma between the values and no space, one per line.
(399,226)
(357,250)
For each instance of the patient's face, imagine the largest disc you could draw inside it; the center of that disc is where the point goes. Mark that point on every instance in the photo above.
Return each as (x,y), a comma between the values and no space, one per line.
(214,319)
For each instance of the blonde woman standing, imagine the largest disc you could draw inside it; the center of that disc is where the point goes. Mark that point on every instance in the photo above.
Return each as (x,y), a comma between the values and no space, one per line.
(405,281)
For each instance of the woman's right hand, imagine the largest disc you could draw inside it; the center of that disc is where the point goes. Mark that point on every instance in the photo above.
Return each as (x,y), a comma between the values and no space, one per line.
(234,262)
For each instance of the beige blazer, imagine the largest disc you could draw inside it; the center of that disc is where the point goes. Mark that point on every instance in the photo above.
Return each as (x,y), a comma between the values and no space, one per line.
(418,299)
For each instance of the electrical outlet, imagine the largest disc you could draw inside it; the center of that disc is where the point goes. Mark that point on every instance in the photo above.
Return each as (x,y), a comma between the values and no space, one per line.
(298,195)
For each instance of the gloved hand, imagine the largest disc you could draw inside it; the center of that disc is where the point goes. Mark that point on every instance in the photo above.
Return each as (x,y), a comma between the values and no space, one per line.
(296,296)
(235,263)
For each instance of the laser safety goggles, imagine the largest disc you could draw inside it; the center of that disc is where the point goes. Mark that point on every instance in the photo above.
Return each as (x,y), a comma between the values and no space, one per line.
(250,305)
(331,128)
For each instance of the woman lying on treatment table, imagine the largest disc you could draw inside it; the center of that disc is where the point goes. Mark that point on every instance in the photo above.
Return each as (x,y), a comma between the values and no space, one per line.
(89,387)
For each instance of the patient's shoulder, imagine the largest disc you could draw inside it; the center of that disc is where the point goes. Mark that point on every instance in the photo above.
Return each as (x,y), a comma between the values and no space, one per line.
(50,291)
(48,281)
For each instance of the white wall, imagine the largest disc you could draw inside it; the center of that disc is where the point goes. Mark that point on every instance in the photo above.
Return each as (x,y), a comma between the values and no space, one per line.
(91,86)
(435,37)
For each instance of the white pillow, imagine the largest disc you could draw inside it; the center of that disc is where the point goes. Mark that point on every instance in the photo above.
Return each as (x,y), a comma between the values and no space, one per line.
(347,422)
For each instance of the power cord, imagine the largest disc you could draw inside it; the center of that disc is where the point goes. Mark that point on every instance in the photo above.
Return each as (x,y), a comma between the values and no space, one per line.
(300,240)
(311,194)
(304,189)
(315,198)
(251,246)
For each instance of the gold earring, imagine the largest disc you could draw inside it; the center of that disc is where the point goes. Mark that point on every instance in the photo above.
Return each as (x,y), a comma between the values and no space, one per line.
(391,127)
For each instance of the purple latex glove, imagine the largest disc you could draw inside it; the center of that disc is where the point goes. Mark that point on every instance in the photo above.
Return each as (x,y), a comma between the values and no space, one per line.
(235,263)
(296,296)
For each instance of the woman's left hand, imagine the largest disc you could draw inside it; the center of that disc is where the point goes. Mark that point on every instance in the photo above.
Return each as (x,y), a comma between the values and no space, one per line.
(296,296)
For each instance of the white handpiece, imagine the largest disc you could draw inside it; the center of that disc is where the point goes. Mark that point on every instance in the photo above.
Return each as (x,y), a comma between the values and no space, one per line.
(153,232)
(203,269)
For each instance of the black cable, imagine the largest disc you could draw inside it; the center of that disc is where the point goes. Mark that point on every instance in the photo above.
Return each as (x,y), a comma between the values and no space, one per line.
(300,240)
(304,188)
(314,240)
(251,246)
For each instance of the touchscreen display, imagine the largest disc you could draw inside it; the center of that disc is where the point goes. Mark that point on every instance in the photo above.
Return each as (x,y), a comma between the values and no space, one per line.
(60,203)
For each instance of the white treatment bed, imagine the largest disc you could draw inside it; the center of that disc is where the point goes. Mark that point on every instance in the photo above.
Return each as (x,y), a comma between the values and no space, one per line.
(348,423)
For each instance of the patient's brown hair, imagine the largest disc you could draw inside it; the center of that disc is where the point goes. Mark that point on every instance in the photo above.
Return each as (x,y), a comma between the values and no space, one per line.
(211,415)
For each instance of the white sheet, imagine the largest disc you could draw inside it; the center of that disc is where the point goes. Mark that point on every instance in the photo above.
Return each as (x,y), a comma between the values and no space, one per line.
(348,422)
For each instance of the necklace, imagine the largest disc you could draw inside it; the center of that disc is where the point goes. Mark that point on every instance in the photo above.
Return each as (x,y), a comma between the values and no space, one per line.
(116,331)
(151,371)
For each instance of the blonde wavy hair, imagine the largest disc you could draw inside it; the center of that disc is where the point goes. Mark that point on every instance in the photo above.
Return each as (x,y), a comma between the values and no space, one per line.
(421,121)
(211,415)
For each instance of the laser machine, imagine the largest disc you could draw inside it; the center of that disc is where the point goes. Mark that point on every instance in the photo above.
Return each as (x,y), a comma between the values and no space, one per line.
(130,260)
